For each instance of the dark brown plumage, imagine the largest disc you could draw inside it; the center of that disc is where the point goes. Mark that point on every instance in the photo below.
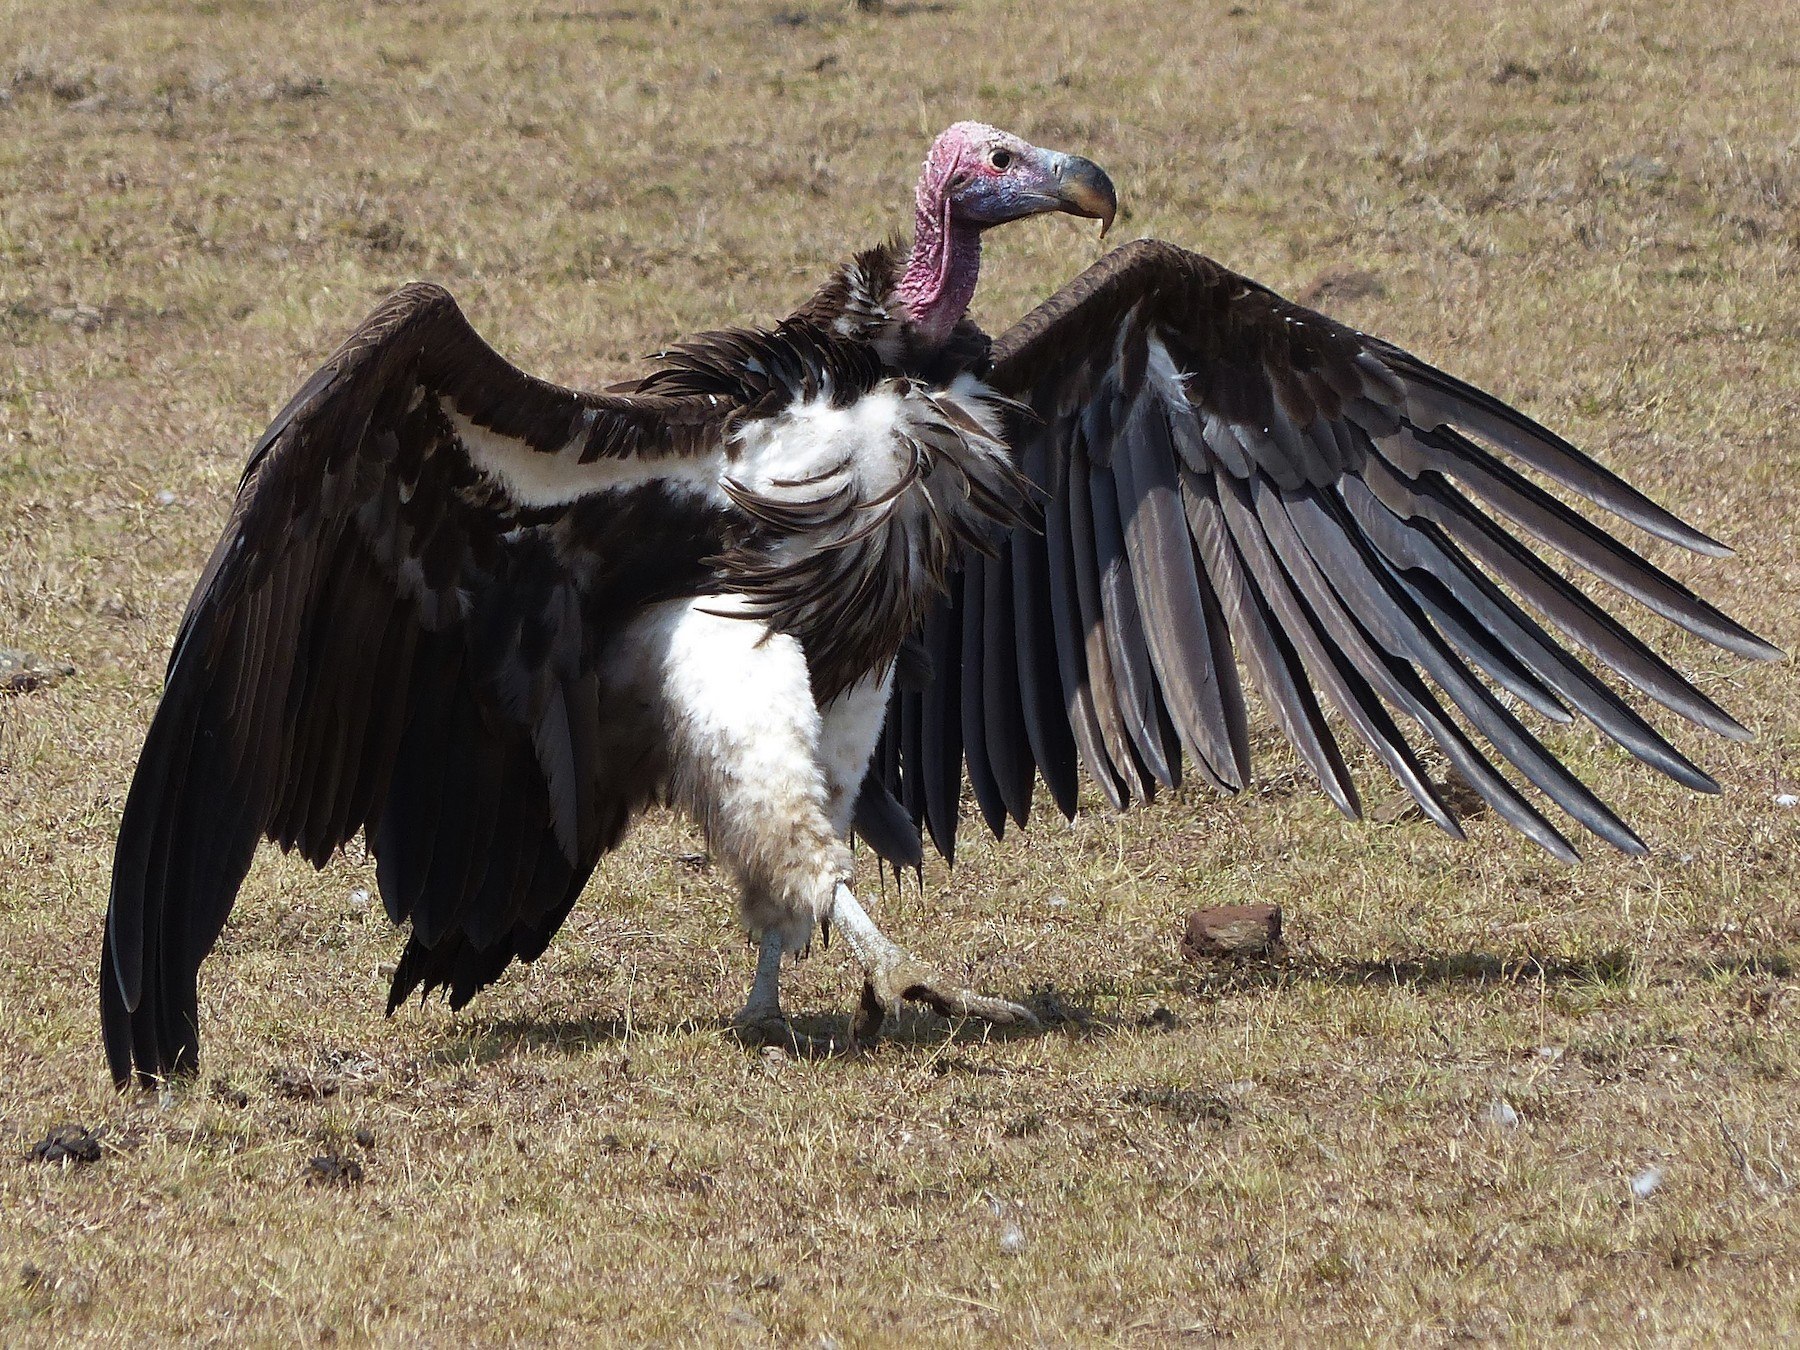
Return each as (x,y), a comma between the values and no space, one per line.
(1309,510)
(447,607)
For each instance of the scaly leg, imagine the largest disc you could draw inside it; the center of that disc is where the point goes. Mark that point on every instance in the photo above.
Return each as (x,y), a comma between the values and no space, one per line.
(772,781)
(762,1022)
(891,974)
(850,727)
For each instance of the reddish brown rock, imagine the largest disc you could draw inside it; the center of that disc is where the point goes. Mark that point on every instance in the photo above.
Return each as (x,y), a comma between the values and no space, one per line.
(1233,932)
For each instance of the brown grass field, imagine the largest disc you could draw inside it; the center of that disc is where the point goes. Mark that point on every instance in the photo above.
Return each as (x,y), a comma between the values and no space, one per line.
(1591,207)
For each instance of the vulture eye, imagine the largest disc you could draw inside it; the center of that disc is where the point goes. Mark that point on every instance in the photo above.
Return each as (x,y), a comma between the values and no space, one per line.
(1000,159)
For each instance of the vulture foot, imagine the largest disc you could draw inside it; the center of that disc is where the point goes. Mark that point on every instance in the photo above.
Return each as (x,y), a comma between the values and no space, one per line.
(762,1023)
(755,1029)
(891,974)
(907,978)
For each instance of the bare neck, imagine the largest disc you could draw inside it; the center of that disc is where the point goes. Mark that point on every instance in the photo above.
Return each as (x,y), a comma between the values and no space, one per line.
(941,272)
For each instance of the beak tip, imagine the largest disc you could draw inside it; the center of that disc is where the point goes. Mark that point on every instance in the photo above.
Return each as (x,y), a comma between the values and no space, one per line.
(1085,190)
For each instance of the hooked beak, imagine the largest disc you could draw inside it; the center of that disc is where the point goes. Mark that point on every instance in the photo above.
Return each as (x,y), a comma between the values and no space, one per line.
(1083,189)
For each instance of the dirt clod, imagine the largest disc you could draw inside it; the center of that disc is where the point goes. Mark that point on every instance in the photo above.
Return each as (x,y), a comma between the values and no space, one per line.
(26,672)
(67,1144)
(1233,932)
(333,1169)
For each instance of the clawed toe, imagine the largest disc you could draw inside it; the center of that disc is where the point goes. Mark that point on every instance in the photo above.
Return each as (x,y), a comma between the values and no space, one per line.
(910,979)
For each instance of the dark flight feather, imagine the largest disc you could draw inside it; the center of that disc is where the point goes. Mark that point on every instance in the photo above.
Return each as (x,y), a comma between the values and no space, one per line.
(1229,476)
(324,682)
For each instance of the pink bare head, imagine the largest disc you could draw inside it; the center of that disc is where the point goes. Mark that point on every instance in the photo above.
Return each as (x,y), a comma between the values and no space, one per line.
(975,177)
(986,177)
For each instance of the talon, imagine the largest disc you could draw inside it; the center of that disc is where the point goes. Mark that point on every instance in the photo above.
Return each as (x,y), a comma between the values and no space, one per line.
(890,975)
(865,1029)
(910,979)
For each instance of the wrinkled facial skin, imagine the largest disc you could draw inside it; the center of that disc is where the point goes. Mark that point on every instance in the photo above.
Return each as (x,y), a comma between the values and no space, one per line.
(990,177)
(1001,178)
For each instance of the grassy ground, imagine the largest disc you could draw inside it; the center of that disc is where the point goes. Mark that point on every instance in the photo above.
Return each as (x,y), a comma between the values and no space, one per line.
(1592,208)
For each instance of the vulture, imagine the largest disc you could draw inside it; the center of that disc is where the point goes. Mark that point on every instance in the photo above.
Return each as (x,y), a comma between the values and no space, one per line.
(802,581)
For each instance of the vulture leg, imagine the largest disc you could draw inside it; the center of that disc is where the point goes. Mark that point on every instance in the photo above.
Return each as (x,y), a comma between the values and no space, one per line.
(771,779)
(891,974)
(732,703)
(762,1022)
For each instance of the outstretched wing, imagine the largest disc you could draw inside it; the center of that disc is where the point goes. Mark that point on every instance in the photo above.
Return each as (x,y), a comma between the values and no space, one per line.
(1229,477)
(397,634)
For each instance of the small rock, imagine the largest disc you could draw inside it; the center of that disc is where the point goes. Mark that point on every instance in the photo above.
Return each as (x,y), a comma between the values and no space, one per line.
(1646,1183)
(1233,931)
(67,1144)
(84,317)
(1500,1115)
(165,498)
(1550,1054)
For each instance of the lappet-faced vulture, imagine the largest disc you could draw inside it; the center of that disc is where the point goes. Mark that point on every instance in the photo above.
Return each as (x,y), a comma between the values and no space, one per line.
(486,621)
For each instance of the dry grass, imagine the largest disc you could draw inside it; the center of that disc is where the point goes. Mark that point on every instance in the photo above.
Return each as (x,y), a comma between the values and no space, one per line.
(1591,207)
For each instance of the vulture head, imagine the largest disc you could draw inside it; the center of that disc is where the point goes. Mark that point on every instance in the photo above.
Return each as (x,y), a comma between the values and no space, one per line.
(976,177)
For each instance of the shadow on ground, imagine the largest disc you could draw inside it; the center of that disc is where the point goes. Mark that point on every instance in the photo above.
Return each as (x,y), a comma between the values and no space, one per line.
(1073,1012)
